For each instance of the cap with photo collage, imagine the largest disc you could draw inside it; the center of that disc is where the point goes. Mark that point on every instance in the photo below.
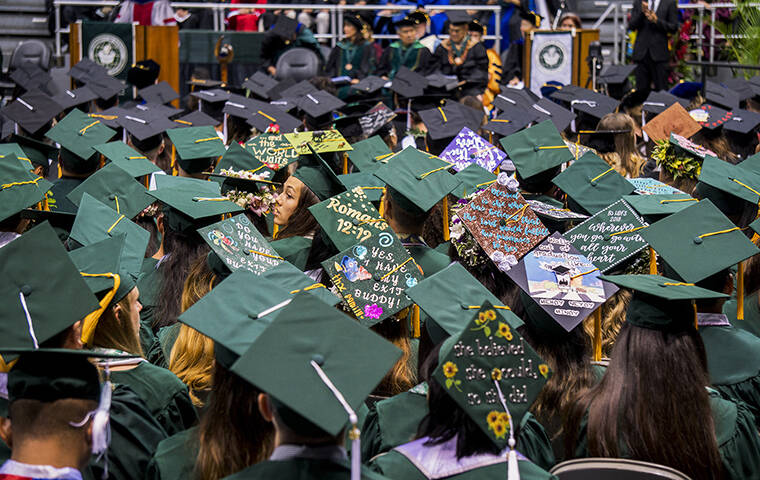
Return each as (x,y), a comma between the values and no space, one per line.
(408,84)
(197,147)
(116,188)
(239,170)
(74,98)
(42,292)
(449,296)
(41,154)
(726,184)
(370,154)
(32,111)
(127,158)
(591,184)
(448,120)
(710,116)
(78,133)
(191,203)
(742,122)
(159,93)
(143,125)
(196,118)
(19,187)
(536,149)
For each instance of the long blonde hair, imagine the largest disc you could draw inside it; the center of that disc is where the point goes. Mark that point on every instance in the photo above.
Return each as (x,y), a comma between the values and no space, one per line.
(613,317)
(625,159)
(192,356)
(117,331)
(403,375)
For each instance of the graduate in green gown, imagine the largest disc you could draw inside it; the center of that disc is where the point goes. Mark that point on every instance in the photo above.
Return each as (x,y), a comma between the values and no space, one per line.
(407,51)
(705,436)
(353,57)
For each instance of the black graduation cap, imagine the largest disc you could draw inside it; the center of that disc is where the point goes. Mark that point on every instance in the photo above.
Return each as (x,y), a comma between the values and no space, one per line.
(213,95)
(205,83)
(267,114)
(284,27)
(559,115)
(260,84)
(712,118)
(742,121)
(158,93)
(196,118)
(240,106)
(370,84)
(32,111)
(446,121)
(73,98)
(156,109)
(513,97)
(104,85)
(743,88)
(592,103)
(301,88)
(458,17)
(409,84)
(277,92)
(717,94)
(616,74)
(85,69)
(31,76)
(319,103)
(143,125)
(657,102)
(110,116)
(439,80)
(62,220)
(511,120)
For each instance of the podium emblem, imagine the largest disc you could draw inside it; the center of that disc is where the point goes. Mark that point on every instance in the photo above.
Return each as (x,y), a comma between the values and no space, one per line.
(109,51)
(552,56)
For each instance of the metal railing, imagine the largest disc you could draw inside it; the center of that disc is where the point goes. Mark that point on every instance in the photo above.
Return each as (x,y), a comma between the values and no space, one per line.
(336,15)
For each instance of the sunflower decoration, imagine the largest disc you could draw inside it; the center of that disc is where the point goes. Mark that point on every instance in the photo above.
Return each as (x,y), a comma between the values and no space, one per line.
(504,332)
(543,369)
(450,370)
(483,319)
(496,374)
(498,423)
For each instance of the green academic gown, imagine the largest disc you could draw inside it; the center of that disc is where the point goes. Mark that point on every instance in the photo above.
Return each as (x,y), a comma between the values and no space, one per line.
(733,361)
(738,440)
(416,57)
(175,457)
(751,322)
(394,422)
(148,284)
(163,393)
(416,461)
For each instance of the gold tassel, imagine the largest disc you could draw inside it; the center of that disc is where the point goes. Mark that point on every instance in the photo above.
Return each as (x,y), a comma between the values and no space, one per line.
(740,292)
(275,229)
(652,261)
(174,160)
(60,170)
(696,321)
(598,334)
(90,322)
(381,210)
(147,181)
(345,163)
(416,321)
(445,215)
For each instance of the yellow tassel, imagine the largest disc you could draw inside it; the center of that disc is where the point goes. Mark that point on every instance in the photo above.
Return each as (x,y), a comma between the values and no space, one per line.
(60,170)
(740,292)
(345,163)
(147,181)
(174,160)
(416,321)
(445,215)
(696,321)
(275,229)
(652,261)
(598,334)
(90,322)
(381,210)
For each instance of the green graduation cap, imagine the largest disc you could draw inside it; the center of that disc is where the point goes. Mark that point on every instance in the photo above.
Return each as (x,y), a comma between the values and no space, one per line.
(78,133)
(19,187)
(592,184)
(39,153)
(116,188)
(239,170)
(372,276)
(274,150)
(96,221)
(197,147)
(42,292)
(698,241)
(496,391)
(237,242)
(326,343)
(660,303)
(370,154)
(536,149)
(127,158)
(191,202)
(295,250)
(448,298)
(319,178)
(286,275)
(724,184)
(420,178)
(471,179)
(7,149)
(373,187)
(656,206)
(348,218)
(321,141)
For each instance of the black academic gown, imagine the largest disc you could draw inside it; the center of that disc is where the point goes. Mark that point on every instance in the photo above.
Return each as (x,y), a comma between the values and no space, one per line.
(473,68)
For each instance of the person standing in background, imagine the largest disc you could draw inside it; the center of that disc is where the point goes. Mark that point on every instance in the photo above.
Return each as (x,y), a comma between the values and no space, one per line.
(652,24)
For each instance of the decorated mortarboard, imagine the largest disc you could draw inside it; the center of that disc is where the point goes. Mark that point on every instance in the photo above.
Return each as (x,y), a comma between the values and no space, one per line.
(197,147)
(654,206)
(143,125)
(658,101)
(38,153)
(559,115)
(370,84)
(536,149)
(32,110)
(376,118)
(336,365)
(73,98)
(260,84)
(483,384)
(372,276)
(373,187)
(196,119)
(449,296)
(214,95)
(264,116)
(742,121)
(680,157)
(19,187)
(127,158)
(511,121)
(554,212)
(320,141)
(116,188)
(319,103)
(295,250)
(408,84)
(370,154)
(609,237)
(236,161)
(562,281)
(502,223)
(698,241)
(651,186)
(724,184)
(471,179)
(711,117)
(96,221)
(104,86)
(616,74)
(420,178)
(159,93)
(193,202)
(349,218)
(592,184)
(717,94)
(36,271)
(273,150)
(78,133)
(468,147)
(688,147)
(448,120)
(237,242)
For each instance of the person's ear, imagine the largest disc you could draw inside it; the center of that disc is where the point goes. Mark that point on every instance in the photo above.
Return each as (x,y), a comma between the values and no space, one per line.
(265,407)
(162,147)
(116,309)
(728,287)
(6,431)
(88,435)
(74,338)
(160,224)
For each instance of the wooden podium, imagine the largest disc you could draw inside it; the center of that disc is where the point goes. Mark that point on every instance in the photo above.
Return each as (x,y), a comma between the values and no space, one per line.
(580,44)
(160,44)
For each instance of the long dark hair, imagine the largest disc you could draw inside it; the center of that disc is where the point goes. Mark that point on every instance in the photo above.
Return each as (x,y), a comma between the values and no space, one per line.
(233,434)
(446,419)
(183,249)
(301,222)
(659,414)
